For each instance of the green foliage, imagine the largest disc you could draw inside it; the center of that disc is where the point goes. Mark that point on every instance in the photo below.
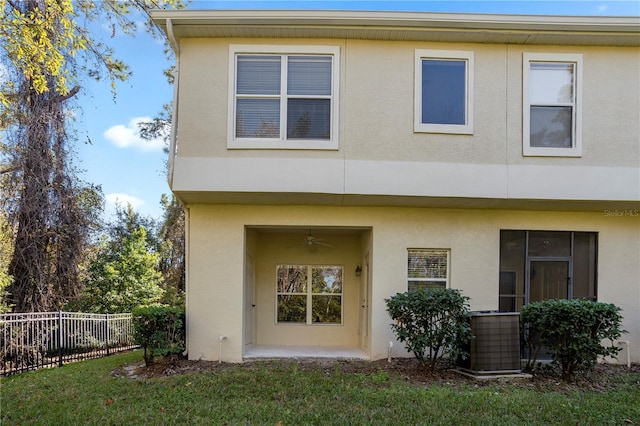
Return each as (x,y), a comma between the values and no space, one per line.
(37,39)
(48,48)
(6,246)
(5,281)
(122,276)
(164,237)
(572,330)
(160,330)
(431,323)
(127,221)
(49,41)
(172,250)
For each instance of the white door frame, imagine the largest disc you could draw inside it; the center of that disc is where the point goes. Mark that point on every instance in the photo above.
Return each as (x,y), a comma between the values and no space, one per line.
(249,300)
(365,282)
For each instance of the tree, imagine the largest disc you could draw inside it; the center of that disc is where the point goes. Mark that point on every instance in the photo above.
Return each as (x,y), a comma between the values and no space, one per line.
(51,212)
(122,276)
(172,250)
(160,126)
(172,230)
(47,51)
(49,42)
(127,221)
(164,237)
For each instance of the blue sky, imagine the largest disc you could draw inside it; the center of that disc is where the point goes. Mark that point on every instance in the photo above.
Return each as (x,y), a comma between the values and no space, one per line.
(133,171)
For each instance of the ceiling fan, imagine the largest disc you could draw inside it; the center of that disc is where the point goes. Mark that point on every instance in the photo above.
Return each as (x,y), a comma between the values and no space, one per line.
(311,241)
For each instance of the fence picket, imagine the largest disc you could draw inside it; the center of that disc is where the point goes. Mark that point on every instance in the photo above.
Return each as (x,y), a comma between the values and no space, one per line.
(60,335)
(29,341)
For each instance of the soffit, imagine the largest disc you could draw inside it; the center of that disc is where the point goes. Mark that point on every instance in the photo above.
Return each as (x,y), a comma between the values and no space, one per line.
(404,26)
(352,200)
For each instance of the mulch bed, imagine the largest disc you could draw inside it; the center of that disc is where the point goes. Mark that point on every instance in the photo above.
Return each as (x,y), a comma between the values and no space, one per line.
(603,378)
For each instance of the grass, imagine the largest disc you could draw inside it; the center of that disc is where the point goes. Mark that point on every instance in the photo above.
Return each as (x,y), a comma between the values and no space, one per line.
(273,394)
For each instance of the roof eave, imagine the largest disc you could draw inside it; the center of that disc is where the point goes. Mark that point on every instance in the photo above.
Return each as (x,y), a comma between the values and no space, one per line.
(521,29)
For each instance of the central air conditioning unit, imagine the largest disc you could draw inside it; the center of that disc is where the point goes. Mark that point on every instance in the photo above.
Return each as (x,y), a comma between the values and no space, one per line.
(494,348)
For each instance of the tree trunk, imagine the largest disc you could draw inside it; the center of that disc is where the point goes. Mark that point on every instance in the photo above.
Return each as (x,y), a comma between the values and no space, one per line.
(29,265)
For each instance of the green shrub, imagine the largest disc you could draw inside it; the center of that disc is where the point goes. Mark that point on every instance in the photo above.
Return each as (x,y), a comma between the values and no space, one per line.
(572,331)
(431,323)
(160,330)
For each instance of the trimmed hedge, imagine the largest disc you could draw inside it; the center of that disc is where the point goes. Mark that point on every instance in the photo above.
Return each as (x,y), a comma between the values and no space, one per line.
(431,323)
(573,331)
(159,330)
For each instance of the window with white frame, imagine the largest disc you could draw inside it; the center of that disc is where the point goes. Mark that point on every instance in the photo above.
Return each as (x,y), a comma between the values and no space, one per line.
(443,91)
(428,268)
(552,97)
(283,97)
(309,294)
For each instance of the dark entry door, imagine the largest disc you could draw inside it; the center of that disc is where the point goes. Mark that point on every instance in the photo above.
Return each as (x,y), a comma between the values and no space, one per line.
(549,279)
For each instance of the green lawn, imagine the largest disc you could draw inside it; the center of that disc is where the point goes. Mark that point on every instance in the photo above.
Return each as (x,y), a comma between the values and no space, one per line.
(87,393)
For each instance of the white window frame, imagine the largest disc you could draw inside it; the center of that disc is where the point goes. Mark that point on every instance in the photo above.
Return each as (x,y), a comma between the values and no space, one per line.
(446,281)
(282,142)
(457,55)
(309,294)
(576,131)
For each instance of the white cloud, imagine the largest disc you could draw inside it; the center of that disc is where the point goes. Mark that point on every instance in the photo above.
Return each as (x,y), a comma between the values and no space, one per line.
(128,136)
(602,8)
(121,200)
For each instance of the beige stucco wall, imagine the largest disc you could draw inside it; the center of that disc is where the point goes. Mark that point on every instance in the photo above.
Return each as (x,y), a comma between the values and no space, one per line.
(381,161)
(376,104)
(218,241)
(380,155)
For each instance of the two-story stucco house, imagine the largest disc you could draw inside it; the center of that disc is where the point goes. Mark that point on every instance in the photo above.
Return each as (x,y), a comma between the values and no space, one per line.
(329,160)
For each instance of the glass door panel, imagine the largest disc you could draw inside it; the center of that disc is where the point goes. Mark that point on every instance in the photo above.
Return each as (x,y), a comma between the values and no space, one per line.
(512,270)
(548,280)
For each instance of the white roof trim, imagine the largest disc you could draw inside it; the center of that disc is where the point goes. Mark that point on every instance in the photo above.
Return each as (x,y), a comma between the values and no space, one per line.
(403,25)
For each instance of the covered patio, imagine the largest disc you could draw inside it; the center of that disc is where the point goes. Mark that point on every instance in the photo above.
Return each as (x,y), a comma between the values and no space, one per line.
(274,352)
(305,292)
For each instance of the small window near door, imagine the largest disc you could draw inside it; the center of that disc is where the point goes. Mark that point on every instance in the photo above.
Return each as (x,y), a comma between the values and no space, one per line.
(428,268)
(309,294)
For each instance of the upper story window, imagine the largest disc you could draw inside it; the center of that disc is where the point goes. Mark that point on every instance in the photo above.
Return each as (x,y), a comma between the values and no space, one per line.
(552,97)
(284,97)
(443,91)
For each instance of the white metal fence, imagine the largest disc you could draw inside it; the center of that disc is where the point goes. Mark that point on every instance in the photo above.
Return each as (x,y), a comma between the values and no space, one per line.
(34,340)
